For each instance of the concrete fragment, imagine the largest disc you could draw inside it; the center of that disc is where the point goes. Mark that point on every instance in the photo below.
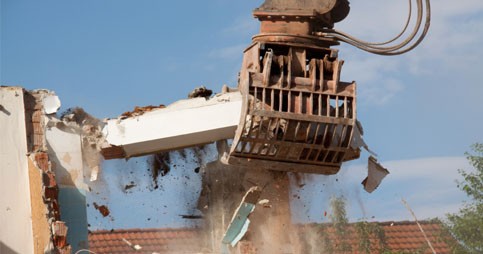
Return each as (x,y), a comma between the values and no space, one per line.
(51,103)
(240,222)
(136,247)
(376,173)
(186,123)
(200,92)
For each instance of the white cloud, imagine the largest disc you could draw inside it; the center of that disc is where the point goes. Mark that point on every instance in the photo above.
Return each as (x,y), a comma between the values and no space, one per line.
(451,51)
(428,185)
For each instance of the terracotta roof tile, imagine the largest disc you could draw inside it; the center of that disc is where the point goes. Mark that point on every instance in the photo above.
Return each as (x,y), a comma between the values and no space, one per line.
(399,236)
(150,240)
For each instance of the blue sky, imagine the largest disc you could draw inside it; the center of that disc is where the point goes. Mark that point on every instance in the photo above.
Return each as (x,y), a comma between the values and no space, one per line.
(109,56)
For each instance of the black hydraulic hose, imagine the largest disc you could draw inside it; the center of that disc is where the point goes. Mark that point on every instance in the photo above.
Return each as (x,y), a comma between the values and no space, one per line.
(408,21)
(394,50)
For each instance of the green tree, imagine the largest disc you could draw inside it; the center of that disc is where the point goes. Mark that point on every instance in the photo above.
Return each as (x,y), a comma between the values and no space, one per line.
(340,222)
(467,225)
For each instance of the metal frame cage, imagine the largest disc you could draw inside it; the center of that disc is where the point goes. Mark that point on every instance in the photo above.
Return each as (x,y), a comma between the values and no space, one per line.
(297,115)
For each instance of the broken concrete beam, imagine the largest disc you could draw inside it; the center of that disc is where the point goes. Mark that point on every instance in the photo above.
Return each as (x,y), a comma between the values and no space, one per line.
(185,123)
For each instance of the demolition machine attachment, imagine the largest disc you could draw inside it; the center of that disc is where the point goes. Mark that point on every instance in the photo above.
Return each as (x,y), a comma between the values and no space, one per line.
(297,115)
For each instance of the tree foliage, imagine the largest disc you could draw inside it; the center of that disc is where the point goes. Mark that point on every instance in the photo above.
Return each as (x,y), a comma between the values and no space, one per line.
(467,225)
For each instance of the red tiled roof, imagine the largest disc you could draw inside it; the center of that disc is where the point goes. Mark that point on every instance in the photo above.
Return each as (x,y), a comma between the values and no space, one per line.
(404,237)
(399,237)
(150,241)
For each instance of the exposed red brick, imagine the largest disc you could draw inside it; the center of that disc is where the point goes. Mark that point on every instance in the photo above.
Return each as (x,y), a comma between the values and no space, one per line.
(50,193)
(37,116)
(42,161)
(48,179)
(60,241)
(59,228)
(113,152)
(54,210)
(38,128)
(65,250)
(39,106)
(38,142)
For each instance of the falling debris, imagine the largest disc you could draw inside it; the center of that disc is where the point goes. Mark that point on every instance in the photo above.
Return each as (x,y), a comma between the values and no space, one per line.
(290,112)
(129,186)
(240,222)
(102,209)
(191,217)
(51,103)
(200,92)
(136,247)
(376,172)
(160,166)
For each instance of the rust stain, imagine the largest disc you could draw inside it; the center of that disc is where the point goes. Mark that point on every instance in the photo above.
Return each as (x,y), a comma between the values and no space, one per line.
(138,111)
(67,158)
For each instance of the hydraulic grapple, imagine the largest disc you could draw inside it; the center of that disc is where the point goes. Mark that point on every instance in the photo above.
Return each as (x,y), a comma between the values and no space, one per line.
(297,115)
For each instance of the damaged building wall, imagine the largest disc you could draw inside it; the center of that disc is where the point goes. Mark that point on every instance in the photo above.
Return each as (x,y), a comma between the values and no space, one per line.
(39,104)
(64,179)
(30,215)
(16,234)
(65,153)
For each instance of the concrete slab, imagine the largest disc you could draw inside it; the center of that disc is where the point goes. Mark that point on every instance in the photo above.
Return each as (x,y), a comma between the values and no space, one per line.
(185,123)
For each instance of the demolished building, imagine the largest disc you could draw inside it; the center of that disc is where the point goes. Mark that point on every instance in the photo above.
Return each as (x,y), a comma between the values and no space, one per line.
(289,113)
(53,162)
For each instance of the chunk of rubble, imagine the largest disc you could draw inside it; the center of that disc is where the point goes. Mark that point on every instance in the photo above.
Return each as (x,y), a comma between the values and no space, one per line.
(51,103)
(240,222)
(376,173)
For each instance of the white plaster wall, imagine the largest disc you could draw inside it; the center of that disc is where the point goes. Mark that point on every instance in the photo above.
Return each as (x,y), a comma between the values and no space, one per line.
(65,150)
(16,234)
